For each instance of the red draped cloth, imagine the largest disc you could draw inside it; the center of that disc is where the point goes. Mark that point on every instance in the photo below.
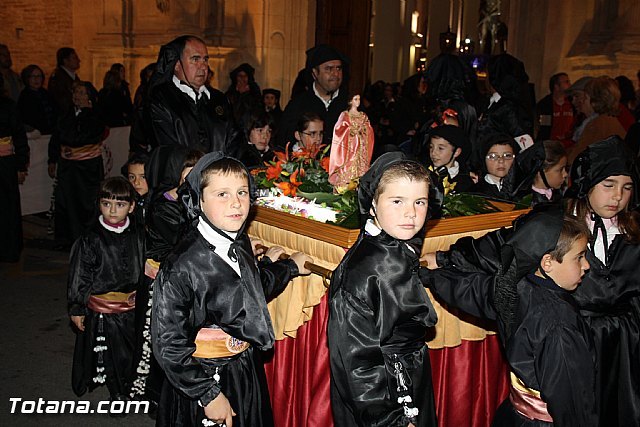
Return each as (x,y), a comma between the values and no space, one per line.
(470,381)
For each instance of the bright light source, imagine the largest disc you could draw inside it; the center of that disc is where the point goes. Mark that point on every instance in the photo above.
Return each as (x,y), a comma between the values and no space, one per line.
(414,22)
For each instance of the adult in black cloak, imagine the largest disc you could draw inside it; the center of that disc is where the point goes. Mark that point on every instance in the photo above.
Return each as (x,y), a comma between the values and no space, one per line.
(379,313)
(182,109)
(327,96)
(14,160)
(508,112)
(243,93)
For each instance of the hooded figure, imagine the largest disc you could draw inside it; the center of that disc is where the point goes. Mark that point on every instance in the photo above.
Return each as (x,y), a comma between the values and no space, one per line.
(508,112)
(178,112)
(210,313)
(243,93)
(378,318)
(311,101)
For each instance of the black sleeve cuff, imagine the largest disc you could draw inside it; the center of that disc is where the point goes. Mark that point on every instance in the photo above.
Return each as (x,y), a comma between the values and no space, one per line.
(209,395)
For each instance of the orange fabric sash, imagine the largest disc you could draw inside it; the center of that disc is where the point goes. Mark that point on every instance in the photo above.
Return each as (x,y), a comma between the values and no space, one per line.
(216,343)
(527,401)
(112,302)
(85,152)
(151,268)
(6,146)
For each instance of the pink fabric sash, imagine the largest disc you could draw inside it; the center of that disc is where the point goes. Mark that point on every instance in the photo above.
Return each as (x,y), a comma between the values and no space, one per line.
(81,153)
(112,302)
(527,401)
(6,146)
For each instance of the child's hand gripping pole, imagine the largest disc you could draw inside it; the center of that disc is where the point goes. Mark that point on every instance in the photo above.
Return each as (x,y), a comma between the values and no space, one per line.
(308,264)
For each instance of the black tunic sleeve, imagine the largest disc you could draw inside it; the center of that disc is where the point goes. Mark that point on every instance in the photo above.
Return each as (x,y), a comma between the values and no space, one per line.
(275,276)
(82,269)
(566,372)
(173,336)
(470,292)
(475,254)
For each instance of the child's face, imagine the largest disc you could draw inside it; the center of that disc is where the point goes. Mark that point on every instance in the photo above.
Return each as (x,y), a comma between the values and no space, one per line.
(556,174)
(260,137)
(568,273)
(442,153)
(497,164)
(609,197)
(269,100)
(135,174)
(401,209)
(115,211)
(312,135)
(225,201)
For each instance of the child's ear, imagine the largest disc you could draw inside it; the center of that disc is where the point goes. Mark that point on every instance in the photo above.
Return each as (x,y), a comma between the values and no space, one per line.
(372,210)
(545,263)
(132,206)
(457,152)
(297,136)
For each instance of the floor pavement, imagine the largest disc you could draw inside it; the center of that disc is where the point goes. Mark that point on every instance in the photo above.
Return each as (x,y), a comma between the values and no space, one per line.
(36,340)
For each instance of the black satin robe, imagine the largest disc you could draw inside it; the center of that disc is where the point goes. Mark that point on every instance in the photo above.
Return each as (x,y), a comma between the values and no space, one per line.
(507,117)
(104,261)
(609,300)
(78,180)
(550,347)
(194,289)
(174,118)
(11,214)
(378,308)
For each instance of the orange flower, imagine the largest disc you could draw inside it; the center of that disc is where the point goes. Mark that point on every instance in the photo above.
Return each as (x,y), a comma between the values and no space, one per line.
(291,188)
(274,171)
(324,163)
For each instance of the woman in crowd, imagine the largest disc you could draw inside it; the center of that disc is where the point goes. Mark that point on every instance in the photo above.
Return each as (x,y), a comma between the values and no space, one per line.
(36,107)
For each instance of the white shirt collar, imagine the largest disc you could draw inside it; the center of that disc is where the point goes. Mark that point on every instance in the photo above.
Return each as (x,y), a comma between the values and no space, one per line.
(371,228)
(220,243)
(493,181)
(454,170)
(324,101)
(494,98)
(72,74)
(189,90)
(111,227)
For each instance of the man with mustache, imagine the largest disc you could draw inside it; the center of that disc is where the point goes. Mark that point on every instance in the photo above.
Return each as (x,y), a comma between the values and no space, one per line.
(183,109)
(327,96)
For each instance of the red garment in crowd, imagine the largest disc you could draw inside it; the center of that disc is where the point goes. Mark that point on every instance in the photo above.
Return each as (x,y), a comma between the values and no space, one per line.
(562,123)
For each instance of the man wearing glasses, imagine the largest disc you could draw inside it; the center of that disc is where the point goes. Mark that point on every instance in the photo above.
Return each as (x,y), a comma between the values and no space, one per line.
(327,96)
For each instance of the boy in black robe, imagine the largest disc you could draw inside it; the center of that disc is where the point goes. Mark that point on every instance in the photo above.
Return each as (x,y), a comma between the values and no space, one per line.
(210,317)
(547,343)
(105,266)
(379,311)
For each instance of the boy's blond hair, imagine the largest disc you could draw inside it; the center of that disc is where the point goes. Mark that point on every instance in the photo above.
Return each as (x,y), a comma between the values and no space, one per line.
(410,170)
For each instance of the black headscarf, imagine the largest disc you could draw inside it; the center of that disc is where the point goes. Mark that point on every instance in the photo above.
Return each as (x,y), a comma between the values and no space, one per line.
(448,77)
(534,234)
(507,75)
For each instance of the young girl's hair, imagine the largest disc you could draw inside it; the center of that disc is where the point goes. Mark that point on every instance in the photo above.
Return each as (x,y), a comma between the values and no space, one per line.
(628,220)
(117,188)
(135,159)
(191,159)
(572,230)
(553,152)
(411,170)
(305,119)
(226,166)
(257,121)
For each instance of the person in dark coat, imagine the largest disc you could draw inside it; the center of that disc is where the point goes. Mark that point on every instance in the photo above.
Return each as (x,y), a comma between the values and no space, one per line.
(182,110)
(243,93)
(36,106)
(14,162)
(62,78)
(257,150)
(327,96)
(210,317)
(379,311)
